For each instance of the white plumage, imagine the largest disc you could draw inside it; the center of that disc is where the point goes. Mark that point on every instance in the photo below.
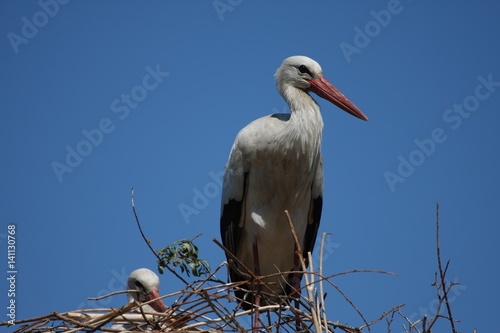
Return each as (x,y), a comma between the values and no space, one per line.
(275,165)
(147,286)
(144,285)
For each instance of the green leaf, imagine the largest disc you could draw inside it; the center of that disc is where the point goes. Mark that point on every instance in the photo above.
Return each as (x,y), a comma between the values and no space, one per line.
(184,255)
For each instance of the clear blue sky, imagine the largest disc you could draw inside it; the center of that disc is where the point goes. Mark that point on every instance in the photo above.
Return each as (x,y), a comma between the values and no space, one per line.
(98,98)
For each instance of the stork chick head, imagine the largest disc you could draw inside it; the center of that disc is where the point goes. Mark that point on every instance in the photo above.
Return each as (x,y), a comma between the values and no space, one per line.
(147,285)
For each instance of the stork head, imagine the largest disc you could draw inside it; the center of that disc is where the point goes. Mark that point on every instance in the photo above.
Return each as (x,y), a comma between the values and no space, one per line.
(147,285)
(299,72)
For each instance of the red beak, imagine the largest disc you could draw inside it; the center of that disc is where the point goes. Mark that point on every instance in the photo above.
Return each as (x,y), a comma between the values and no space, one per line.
(323,88)
(157,305)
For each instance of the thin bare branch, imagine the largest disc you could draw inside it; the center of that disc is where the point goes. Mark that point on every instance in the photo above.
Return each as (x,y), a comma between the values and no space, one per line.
(148,242)
(382,316)
(112,294)
(442,274)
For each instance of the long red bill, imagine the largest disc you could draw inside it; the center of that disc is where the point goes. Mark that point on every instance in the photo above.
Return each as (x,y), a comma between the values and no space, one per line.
(157,305)
(323,88)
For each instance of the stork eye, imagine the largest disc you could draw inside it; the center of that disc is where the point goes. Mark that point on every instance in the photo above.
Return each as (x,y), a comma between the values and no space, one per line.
(304,69)
(140,285)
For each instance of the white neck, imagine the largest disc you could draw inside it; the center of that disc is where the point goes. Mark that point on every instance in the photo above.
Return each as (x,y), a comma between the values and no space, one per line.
(306,122)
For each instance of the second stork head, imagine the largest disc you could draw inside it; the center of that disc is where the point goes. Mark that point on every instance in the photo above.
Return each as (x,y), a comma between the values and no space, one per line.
(146,285)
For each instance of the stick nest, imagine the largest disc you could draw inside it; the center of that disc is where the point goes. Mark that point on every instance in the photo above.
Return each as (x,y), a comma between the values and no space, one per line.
(209,305)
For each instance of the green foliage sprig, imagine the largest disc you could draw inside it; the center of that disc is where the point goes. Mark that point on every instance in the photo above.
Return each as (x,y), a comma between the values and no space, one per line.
(183,254)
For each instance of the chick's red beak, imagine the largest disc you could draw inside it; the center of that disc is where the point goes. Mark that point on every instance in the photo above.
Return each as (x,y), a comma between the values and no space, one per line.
(158,305)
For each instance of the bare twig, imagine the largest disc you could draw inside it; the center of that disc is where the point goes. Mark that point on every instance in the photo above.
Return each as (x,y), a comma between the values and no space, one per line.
(441,273)
(112,294)
(382,316)
(322,295)
(148,242)
(309,287)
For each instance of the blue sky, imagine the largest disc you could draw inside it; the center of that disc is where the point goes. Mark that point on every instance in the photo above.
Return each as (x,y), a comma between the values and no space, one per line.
(98,98)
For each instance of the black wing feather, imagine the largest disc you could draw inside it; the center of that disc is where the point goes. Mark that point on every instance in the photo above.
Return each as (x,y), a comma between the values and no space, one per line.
(230,229)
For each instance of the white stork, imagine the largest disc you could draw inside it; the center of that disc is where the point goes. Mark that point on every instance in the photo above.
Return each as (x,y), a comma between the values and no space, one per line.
(147,286)
(143,285)
(275,165)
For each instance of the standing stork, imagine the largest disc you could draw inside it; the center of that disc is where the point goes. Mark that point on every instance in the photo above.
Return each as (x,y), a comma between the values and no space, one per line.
(275,165)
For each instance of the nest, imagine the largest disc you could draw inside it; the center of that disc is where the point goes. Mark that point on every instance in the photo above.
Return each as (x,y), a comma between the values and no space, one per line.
(205,305)
(209,305)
